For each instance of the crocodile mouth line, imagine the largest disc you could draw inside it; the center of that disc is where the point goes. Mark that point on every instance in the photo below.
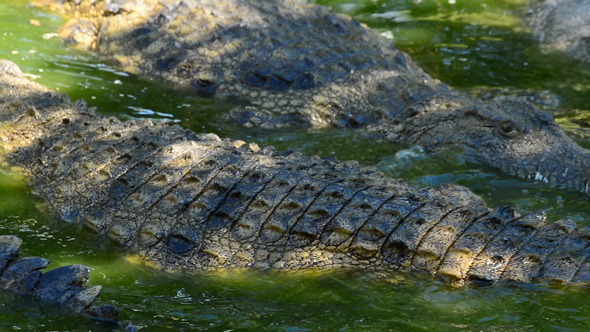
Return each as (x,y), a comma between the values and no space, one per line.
(583,187)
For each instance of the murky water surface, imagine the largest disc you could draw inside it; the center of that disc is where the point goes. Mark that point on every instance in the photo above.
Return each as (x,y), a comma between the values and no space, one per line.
(468,44)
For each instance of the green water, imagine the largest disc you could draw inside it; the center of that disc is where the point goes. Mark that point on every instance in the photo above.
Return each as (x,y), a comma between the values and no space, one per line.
(467,44)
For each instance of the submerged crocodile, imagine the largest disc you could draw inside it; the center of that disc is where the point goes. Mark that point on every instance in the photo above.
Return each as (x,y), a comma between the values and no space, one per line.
(193,202)
(64,286)
(295,63)
(562,25)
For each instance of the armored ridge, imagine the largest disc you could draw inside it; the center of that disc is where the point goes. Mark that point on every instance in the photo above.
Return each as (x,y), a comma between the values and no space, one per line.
(194,202)
(64,286)
(295,63)
(562,25)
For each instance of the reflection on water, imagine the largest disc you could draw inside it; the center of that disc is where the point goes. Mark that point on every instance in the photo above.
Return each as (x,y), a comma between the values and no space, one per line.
(469,44)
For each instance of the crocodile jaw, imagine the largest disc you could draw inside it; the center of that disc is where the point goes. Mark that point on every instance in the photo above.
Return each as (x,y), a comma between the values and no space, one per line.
(546,155)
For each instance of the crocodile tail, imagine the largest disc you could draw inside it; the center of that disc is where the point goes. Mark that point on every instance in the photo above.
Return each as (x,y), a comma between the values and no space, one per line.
(64,286)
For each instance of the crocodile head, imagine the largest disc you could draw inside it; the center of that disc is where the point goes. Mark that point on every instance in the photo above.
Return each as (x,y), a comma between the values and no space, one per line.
(516,137)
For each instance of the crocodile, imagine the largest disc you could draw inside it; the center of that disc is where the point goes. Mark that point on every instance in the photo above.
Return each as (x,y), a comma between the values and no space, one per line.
(192,202)
(291,63)
(562,25)
(63,286)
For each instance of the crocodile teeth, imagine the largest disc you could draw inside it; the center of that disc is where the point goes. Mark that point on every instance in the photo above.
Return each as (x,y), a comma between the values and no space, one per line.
(541,177)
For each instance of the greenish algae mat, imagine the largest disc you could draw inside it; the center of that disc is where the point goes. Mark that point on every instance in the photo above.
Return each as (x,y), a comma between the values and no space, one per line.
(468,44)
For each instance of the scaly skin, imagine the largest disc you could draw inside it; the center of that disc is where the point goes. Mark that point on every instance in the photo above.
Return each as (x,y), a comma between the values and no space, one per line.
(195,202)
(295,63)
(562,25)
(64,286)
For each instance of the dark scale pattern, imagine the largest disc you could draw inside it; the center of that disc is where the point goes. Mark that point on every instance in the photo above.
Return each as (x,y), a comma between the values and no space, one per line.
(192,202)
(228,212)
(433,246)
(294,63)
(401,245)
(533,254)
(326,205)
(63,287)
(491,262)
(342,229)
(248,226)
(178,205)
(288,210)
(250,50)
(567,258)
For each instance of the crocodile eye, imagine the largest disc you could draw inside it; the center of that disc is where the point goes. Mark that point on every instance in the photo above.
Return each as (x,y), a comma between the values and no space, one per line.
(507,128)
